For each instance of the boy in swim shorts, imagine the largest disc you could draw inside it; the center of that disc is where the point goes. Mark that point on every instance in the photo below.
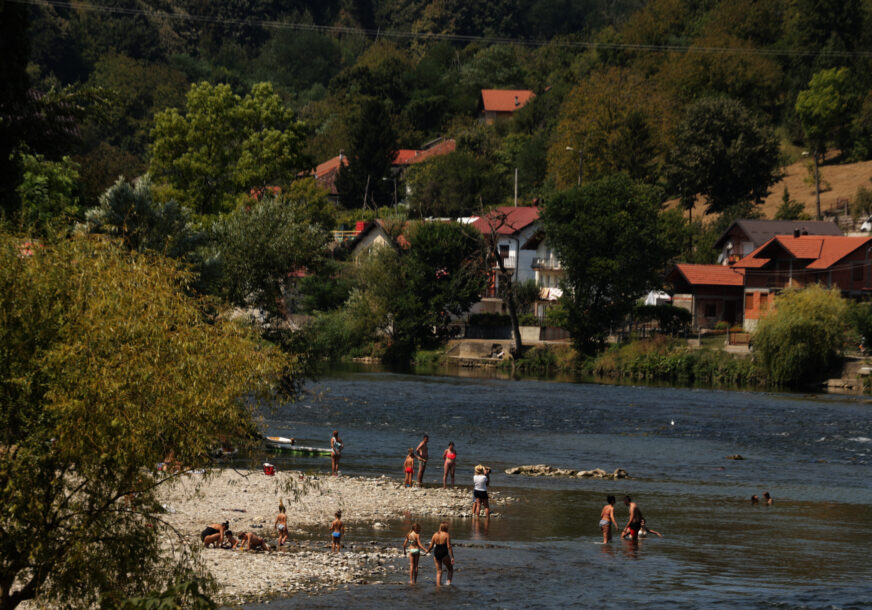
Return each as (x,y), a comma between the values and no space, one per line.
(337,528)
(409,467)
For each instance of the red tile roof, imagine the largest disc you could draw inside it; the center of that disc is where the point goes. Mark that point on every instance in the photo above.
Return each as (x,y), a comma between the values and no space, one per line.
(442,148)
(403,156)
(515,219)
(331,165)
(823,250)
(710,275)
(505,100)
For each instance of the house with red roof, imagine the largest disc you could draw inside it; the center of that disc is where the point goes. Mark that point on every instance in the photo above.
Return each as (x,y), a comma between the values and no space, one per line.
(502,103)
(712,293)
(745,290)
(525,253)
(834,261)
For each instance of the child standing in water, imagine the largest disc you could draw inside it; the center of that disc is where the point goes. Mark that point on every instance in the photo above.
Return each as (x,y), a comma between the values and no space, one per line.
(281,525)
(607,519)
(337,528)
(413,541)
(409,467)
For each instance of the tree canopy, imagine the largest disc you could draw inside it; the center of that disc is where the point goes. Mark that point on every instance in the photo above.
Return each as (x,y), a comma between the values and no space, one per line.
(106,369)
(222,145)
(606,235)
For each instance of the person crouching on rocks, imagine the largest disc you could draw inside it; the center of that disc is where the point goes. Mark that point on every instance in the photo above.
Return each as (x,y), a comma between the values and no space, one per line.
(214,534)
(254,542)
(337,528)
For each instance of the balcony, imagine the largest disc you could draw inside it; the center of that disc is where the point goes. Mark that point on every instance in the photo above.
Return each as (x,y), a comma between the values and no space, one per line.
(546,264)
(509,261)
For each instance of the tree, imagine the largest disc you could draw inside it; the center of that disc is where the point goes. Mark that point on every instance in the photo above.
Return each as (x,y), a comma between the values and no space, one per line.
(801,340)
(106,369)
(48,191)
(129,212)
(222,145)
(606,236)
(724,153)
(13,99)
(824,110)
(617,121)
(366,181)
(259,245)
(454,185)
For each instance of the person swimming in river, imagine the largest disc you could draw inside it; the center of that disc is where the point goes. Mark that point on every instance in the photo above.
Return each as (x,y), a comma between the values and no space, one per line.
(644,530)
(337,528)
(607,518)
(413,542)
(449,455)
(408,468)
(443,554)
(767,498)
(281,525)
(335,452)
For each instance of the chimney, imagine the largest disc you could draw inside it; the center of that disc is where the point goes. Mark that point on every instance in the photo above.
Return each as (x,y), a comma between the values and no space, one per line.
(804,231)
(796,232)
(517,101)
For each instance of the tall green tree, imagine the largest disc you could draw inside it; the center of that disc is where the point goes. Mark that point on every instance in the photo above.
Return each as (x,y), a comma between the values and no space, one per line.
(606,234)
(48,192)
(825,112)
(221,145)
(454,185)
(367,180)
(801,339)
(107,367)
(725,153)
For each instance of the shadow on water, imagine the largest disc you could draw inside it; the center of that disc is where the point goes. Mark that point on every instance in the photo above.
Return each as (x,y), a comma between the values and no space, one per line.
(812,453)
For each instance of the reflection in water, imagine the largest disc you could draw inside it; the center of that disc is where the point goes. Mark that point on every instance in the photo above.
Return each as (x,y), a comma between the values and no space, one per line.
(545,550)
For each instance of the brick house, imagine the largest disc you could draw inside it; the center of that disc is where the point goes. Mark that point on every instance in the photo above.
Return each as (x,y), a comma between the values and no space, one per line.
(712,293)
(502,103)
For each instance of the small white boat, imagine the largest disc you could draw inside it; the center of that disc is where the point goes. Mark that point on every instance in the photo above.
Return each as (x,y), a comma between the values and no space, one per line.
(282,443)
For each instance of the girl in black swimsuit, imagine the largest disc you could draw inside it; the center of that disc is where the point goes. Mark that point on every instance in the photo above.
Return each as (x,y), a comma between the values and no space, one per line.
(443,554)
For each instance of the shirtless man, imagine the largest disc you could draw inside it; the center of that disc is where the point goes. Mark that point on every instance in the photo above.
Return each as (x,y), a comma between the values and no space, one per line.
(634,523)
(421,452)
(254,542)
(607,518)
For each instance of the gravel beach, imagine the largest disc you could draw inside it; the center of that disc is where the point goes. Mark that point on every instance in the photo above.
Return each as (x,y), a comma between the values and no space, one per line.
(249,500)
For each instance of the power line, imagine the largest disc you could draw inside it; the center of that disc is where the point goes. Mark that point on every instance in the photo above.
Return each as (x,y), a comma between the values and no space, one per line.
(327,29)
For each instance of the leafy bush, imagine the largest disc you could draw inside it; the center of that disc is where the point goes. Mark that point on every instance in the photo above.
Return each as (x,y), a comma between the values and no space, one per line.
(801,340)
(528,319)
(671,319)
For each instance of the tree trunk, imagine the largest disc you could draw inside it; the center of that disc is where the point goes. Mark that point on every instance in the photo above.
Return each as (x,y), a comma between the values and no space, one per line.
(513,310)
(817,186)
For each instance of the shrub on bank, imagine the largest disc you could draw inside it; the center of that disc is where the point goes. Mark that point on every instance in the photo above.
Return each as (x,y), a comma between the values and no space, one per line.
(665,359)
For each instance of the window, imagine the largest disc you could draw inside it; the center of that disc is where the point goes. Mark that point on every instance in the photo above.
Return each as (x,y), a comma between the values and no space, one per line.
(504,251)
(749,301)
(764,302)
(711,310)
(859,272)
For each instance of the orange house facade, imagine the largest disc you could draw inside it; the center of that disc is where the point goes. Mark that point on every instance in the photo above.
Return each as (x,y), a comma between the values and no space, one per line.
(843,263)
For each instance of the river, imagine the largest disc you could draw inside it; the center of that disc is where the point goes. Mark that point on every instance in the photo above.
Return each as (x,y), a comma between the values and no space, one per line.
(812,453)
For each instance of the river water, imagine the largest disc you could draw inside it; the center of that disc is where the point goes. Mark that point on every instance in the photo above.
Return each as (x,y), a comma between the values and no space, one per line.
(812,453)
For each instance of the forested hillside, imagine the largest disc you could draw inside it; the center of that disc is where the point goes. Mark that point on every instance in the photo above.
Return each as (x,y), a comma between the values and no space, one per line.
(615,78)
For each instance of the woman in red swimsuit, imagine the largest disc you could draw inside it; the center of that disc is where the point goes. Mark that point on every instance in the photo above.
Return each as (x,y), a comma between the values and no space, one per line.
(449,455)
(408,467)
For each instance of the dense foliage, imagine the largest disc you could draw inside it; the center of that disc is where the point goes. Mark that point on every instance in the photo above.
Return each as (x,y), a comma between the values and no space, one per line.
(801,340)
(107,368)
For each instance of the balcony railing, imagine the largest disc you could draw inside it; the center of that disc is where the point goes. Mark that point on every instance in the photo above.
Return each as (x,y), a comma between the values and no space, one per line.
(546,263)
(509,261)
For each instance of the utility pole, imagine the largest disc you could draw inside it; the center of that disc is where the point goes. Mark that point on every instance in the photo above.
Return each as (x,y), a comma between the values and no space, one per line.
(580,161)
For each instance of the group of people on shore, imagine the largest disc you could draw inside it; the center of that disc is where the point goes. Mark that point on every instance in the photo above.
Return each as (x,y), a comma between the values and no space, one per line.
(219,535)
(422,454)
(636,526)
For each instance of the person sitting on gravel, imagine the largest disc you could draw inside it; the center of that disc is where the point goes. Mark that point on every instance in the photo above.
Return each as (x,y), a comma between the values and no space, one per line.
(254,542)
(214,534)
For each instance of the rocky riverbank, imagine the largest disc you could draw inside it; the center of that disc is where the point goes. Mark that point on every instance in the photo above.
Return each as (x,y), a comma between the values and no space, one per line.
(544,470)
(250,500)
